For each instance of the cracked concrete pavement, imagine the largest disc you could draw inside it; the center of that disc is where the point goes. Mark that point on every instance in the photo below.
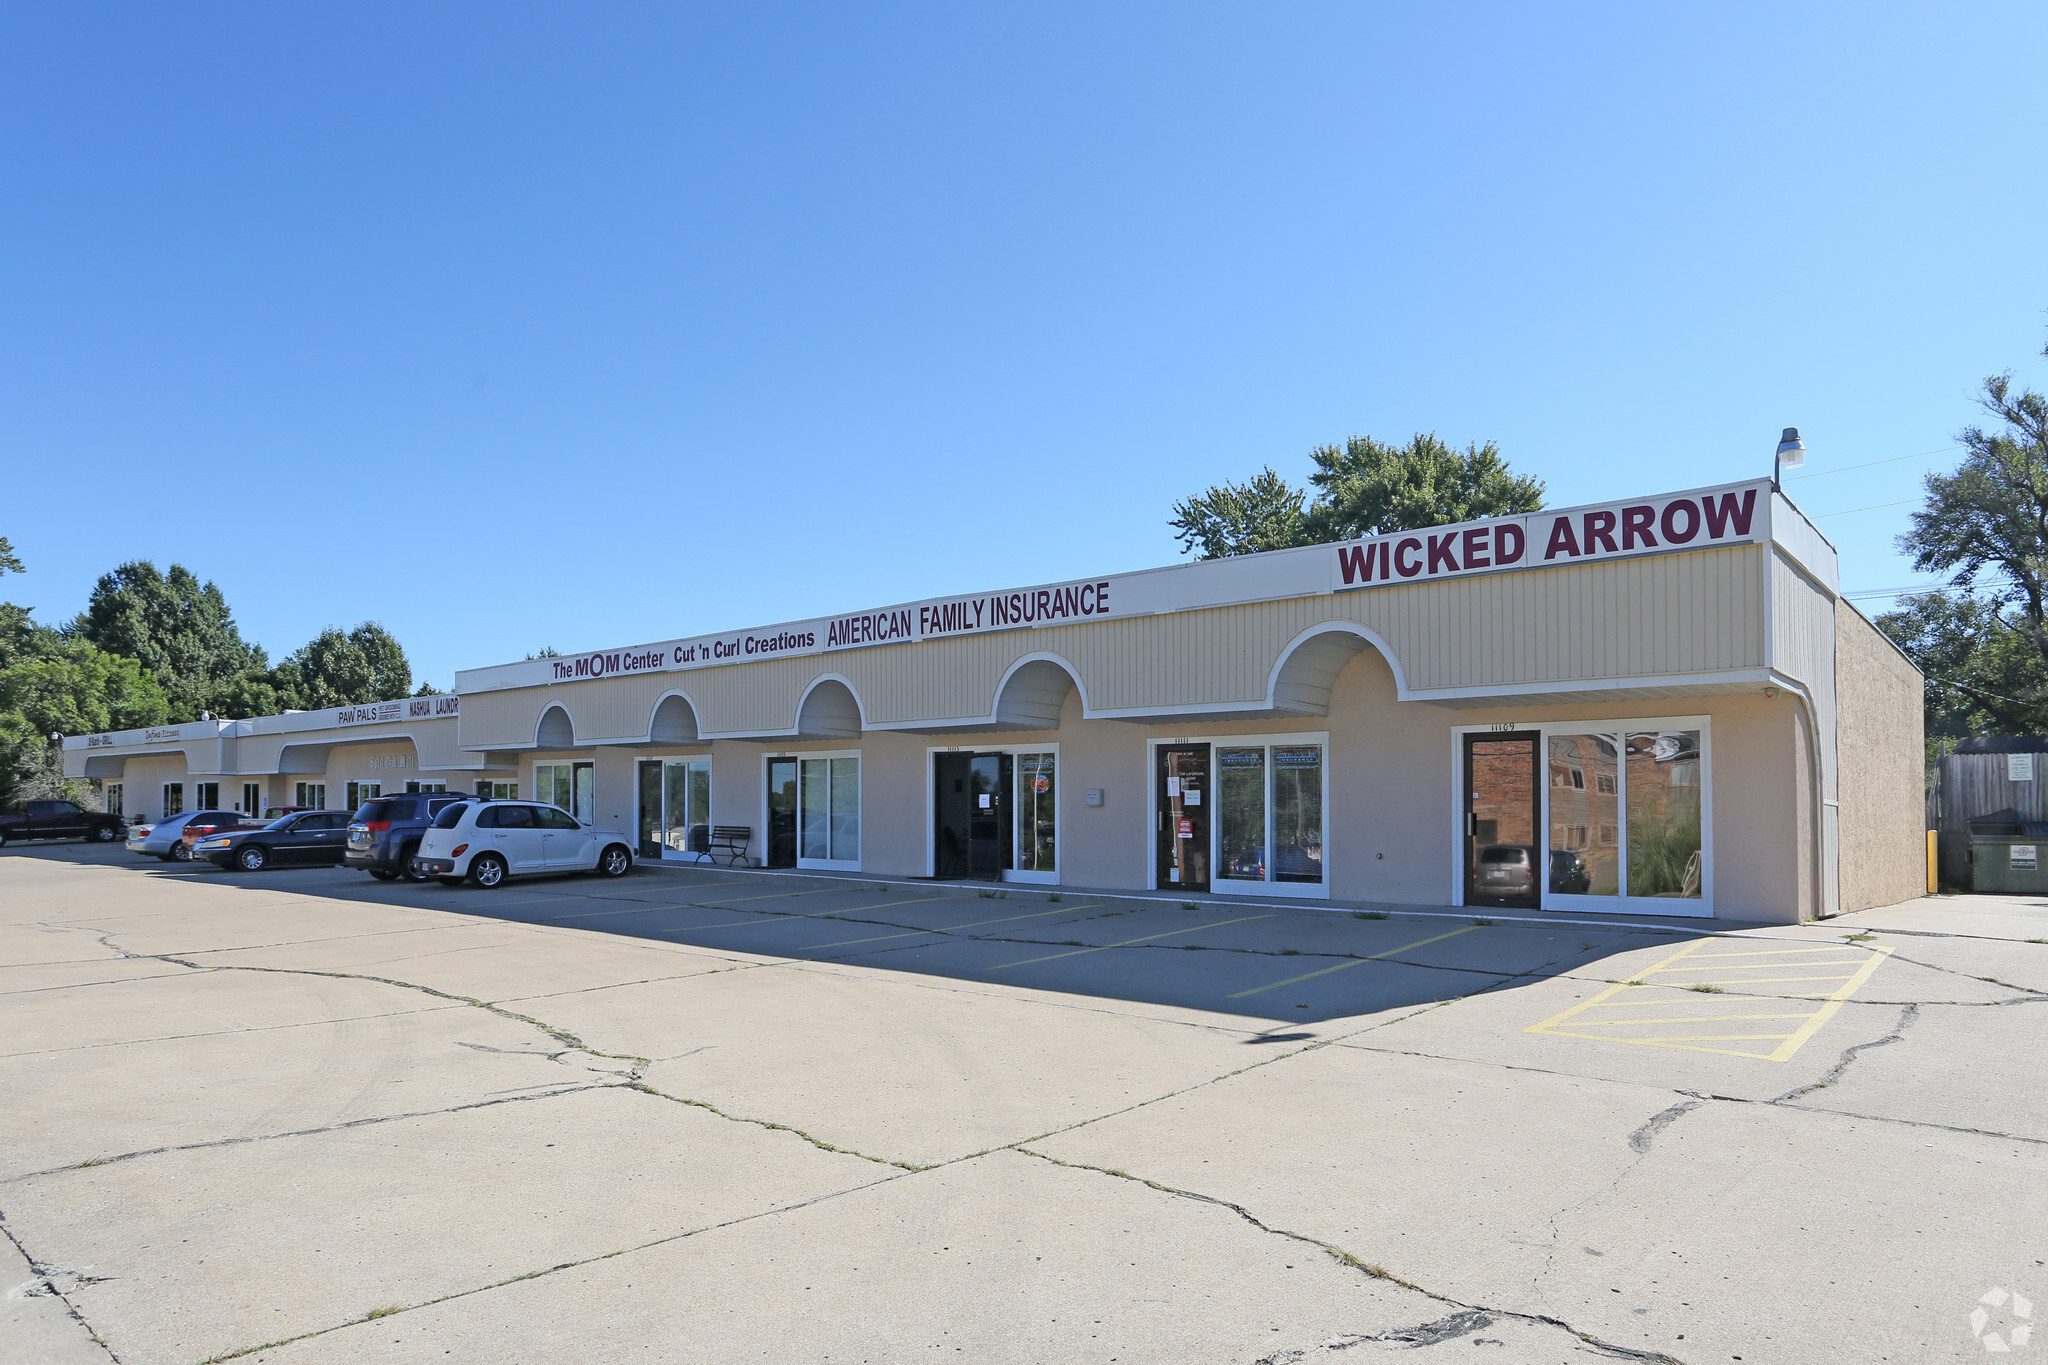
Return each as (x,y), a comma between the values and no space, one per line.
(302,1118)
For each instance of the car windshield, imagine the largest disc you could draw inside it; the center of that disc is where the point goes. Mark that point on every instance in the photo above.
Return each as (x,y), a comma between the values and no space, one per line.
(279,823)
(452,816)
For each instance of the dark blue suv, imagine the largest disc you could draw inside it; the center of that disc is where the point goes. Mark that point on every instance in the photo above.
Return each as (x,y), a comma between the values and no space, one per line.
(386,832)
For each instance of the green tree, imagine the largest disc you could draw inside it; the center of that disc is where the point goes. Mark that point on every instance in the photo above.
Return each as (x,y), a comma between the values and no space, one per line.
(1365,487)
(1983,675)
(1369,488)
(1263,513)
(9,561)
(176,627)
(1987,522)
(72,689)
(337,668)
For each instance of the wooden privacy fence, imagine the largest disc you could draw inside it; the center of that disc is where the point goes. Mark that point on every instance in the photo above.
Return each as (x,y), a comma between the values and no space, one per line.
(1969,785)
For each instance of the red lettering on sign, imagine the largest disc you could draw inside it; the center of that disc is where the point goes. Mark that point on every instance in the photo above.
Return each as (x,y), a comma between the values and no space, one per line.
(1635,523)
(1444,553)
(1508,543)
(1692,520)
(1600,531)
(1562,541)
(1401,564)
(1718,518)
(1357,562)
(1475,549)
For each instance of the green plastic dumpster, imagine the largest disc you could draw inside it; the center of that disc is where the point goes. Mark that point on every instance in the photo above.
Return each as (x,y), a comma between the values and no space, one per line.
(2008,854)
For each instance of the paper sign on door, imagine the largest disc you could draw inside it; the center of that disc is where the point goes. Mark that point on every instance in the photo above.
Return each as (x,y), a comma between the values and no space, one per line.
(1187,829)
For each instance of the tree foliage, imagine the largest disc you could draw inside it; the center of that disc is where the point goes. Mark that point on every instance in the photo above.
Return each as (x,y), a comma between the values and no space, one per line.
(176,627)
(1365,487)
(1984,648)
(344,668)
(1263,513)
(1983,676)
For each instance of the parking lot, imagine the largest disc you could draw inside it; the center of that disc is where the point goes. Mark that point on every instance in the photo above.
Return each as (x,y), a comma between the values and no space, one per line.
(306,1118)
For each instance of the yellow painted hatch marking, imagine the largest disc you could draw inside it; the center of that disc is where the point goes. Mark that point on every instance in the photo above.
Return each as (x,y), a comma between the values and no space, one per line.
(1143,938)
(976,924)
(1681,1006)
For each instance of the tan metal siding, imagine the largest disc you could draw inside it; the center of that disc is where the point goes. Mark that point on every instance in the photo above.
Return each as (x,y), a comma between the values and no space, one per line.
(1652,617)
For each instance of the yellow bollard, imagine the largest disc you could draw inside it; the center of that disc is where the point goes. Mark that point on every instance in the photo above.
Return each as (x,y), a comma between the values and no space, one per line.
(1933,861)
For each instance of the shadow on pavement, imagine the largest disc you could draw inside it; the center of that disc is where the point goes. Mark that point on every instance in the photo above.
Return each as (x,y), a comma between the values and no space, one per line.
(1282,964)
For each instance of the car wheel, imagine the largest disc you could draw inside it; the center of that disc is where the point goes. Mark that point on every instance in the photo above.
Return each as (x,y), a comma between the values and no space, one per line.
(3,838)
(487,870)
(406,871)
(252,857)
(449,881)
(382,874)
(106,834)
(615,861)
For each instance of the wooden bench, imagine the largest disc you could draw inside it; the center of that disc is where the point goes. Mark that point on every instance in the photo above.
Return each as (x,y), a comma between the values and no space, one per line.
(730,841)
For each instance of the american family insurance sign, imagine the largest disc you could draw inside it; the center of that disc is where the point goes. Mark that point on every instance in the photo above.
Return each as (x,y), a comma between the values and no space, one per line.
(1538,540)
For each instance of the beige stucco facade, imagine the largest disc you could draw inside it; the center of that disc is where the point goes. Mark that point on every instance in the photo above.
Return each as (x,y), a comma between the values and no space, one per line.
(1701,726)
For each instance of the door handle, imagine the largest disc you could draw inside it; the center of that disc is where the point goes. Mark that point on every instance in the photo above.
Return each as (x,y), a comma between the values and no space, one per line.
(1471,822)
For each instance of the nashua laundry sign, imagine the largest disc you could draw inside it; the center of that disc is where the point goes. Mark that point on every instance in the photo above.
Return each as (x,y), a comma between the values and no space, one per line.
(1733,515)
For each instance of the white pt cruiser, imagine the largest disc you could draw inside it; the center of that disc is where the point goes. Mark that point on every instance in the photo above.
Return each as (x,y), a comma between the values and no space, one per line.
(488,841)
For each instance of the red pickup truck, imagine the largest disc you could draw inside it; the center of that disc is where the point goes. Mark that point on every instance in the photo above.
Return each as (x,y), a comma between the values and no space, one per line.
(60,820)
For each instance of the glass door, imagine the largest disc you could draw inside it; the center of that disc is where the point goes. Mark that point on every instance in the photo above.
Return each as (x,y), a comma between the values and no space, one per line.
(1037,801)
(571,786)
(1502,851)
(828,812)
(1180,791)
(649,787)
(781,813)
(686,808)
(989,777)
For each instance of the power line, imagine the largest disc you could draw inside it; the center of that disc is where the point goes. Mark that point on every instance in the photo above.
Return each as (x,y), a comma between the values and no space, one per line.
(1872,508)
(1816,473)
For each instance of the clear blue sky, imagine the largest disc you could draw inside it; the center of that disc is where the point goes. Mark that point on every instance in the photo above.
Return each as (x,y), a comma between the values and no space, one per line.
(511,325)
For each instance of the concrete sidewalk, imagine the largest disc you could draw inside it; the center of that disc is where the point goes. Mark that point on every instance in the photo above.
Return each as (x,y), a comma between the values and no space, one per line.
(692,1116)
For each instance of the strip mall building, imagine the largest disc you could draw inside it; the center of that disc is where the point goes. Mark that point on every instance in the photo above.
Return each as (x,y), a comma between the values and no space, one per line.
(1660,706)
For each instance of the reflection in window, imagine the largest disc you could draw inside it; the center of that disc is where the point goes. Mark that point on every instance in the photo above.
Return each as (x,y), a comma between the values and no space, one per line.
(1271,820)
(686,806)
(1663,786)
(1584,853)
(1241,782)
(1298,813)
(828,809)
(1036,792)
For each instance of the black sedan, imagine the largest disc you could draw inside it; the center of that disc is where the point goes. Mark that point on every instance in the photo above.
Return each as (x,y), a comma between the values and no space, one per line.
(309,837)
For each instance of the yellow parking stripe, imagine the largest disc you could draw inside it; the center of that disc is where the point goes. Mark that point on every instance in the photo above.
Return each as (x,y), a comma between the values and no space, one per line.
(1355,962)
(976,924)
(1143,938)
(1671,996)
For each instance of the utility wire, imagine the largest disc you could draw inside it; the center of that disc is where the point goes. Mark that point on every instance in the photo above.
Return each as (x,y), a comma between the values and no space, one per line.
(1872,508)
(1816,473)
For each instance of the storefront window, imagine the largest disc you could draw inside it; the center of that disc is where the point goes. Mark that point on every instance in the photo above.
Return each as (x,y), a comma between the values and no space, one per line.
(572,786)
(207,794)
(1241,804)
(174,799)
(113,798)
(828,814)
(491,790)
(686,807)
(359,792)
(1663,786)
(1270,813)
(1585,859)
(1036,831)
(311,796)
(1298,813)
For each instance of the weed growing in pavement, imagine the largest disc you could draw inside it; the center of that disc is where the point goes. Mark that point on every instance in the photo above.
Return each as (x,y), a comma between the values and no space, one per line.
(1859,938)
(1368,914)
(1189,905)
(1483,923)
(1585,947)
(986,895)
(386,1311)
(1055,897)
(1290,952)
(1072,943)
(1704,989)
